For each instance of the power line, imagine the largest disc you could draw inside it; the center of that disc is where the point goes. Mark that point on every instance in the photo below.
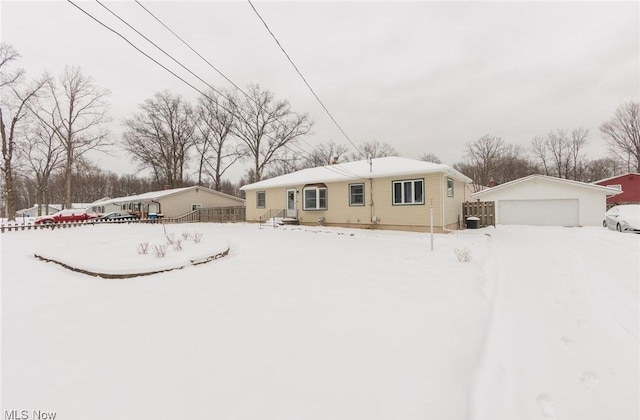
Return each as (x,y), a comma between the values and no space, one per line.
(163,51)
(138,49)
(206,61)
(167,69)
(303,79)
(191,48)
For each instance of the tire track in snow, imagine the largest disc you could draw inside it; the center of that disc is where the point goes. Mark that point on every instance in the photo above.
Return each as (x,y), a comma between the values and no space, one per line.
(539,357)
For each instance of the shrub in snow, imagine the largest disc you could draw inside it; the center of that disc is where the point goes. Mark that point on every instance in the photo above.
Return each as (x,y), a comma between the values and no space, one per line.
(160,250)
(463,254)
(197,236)
(170,237)
(185,235)
(143,247)
(177,245)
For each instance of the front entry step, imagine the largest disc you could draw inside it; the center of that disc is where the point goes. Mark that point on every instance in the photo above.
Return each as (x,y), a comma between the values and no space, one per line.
(289,221)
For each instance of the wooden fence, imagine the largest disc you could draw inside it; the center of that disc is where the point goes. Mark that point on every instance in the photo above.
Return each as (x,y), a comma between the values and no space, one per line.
(211,215)
(484,210)
(223,214)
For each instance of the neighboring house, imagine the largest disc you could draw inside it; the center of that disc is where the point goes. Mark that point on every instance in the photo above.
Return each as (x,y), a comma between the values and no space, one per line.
(33,211)
(171,202)
(53,208)
(389,193)
(628,184)
(103,206)
(547,201)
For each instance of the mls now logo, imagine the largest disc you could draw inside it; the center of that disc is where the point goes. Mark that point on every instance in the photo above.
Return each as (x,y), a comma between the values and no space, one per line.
(16,415)
(25,415)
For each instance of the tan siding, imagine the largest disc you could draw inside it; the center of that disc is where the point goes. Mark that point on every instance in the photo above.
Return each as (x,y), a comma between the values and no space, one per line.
(453,205)
(275,199)
(409,217)
(180,203)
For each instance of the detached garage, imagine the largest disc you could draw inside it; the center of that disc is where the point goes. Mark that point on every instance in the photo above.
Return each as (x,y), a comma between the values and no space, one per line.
(548,201)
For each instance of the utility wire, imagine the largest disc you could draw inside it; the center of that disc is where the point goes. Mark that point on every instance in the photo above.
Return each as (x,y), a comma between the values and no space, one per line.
(138,49)
(191,48)
(163,51)
(180,78)
(206,61)
(209,63)
(303,79)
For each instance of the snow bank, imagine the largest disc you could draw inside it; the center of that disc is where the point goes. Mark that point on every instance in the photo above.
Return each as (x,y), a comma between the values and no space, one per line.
(325,323)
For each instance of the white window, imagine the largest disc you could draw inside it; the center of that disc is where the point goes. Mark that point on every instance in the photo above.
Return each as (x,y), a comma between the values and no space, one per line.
(450,185)
(356,194)
(315,198)
(408,192)
(261,199)
(196,206)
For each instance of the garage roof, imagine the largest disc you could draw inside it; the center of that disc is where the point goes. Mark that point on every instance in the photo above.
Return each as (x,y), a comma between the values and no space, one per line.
(568,182)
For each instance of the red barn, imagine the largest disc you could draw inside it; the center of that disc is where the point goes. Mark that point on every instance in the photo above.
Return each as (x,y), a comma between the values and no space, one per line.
(629,184)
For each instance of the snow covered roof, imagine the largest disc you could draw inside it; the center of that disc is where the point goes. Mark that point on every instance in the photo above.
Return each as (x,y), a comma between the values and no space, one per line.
(155,195)
(608,190)
(379,168)
(616,177)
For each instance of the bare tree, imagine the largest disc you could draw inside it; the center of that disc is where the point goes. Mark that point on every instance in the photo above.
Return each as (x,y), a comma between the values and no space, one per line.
(325,154)
(266,127)
(77,114)
(484,154)
(579,139)
(512,164)
(44,155)
(374,149)
(286,162)
(560,154)
(598,169)
(539,151)
(160,137)
(429,157)
(217,150)
(14,109)
(558,145)
(622,133)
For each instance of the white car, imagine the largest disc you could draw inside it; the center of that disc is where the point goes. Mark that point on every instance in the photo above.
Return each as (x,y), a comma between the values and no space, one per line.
(623,218)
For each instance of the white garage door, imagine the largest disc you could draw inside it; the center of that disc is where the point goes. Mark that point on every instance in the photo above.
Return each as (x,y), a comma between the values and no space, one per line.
(538,212)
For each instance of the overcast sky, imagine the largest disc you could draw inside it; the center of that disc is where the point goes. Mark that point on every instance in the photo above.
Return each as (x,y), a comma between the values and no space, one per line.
(421,76)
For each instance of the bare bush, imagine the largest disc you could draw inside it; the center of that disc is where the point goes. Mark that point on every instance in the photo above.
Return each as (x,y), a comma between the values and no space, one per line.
(143,248)
(186,235)
(160,250)
(197,237)
(170,238)
(177,245)
(463,254)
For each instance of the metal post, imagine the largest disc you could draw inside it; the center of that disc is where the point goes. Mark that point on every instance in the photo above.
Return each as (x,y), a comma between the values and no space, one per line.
(431,219)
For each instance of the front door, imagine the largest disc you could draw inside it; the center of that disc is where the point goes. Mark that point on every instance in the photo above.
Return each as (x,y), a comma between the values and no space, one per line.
(291,204)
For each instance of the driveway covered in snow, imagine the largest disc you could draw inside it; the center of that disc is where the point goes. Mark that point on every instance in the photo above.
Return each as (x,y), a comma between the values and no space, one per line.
(322,323)
(562,341)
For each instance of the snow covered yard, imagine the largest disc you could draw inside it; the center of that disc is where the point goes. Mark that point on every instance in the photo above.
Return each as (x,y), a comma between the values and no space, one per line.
(321,323)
